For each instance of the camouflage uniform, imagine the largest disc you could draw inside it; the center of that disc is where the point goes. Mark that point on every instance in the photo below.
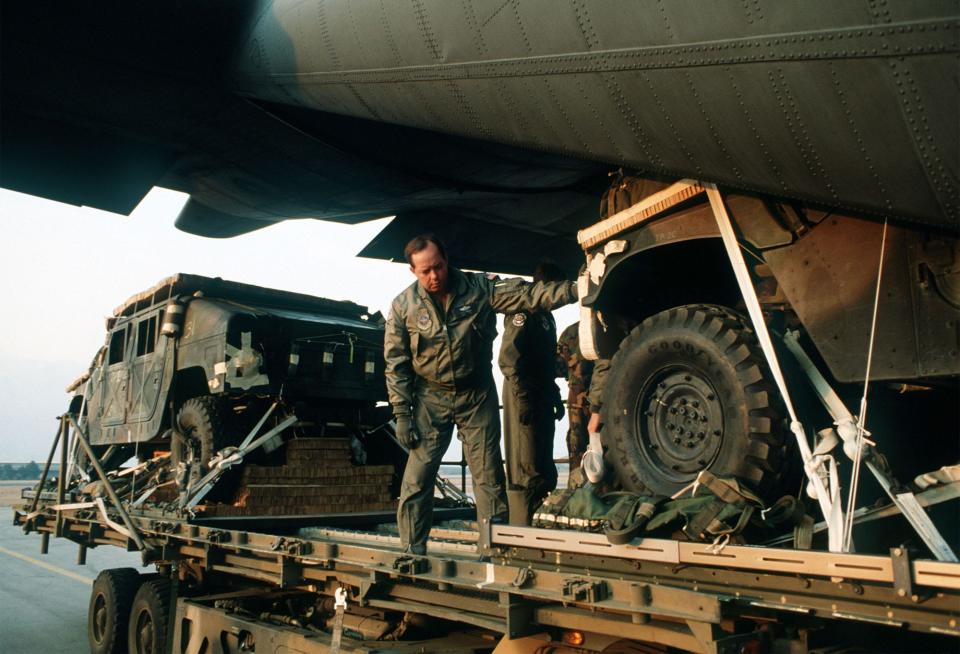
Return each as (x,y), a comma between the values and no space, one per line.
(578,371)
(529,396)
(439,361)
(598,383)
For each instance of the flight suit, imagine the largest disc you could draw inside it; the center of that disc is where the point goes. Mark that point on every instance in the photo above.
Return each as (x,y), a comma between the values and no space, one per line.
(578,371)
(528,362)
(439,361)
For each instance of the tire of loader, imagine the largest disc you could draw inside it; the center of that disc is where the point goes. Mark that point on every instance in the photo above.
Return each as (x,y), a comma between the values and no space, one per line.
(149,614)
(689,389)
(109,611)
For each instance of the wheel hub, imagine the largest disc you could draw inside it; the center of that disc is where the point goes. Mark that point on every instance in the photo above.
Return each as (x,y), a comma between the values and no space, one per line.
(145,634)
(99,619)
(680,423)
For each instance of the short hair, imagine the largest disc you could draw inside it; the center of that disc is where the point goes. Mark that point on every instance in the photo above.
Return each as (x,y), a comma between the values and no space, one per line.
(547,271)
(418,243)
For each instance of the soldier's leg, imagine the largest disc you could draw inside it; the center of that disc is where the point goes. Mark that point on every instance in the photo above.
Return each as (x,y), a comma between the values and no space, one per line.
(546,470)
(433,416)
(577,437)
(478,425)
(512,435)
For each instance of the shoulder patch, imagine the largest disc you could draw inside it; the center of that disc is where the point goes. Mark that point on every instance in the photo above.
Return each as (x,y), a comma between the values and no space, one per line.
(519,319)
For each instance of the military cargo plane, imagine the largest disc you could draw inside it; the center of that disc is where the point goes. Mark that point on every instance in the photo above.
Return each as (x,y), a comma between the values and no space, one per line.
(493,122)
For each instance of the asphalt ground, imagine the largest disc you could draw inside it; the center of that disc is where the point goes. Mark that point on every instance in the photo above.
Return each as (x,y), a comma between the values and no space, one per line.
(43,598)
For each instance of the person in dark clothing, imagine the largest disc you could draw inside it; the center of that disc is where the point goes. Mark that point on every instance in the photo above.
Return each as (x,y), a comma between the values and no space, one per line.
(531,403)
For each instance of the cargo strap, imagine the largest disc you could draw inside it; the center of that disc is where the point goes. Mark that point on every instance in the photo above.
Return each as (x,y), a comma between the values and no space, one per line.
(628,518)
(708,523)
(340,606)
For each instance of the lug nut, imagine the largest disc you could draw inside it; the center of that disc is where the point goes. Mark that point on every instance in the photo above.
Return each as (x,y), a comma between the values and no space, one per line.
(701,435)
(683,411)
(690,445)
(676,440)
(670,426)
(703,418)
(683,400)
(695,403)
(673,410)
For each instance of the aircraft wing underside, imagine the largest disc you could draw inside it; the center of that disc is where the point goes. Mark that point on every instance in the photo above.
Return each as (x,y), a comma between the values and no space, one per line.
(494,123)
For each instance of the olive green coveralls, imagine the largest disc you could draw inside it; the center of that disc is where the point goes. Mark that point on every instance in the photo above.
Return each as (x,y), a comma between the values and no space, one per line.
(528,362)
(439,361)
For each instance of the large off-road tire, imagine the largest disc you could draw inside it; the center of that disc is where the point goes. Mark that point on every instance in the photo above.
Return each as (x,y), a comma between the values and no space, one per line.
(109,610)
(689,389)
(199,432)
(147,632)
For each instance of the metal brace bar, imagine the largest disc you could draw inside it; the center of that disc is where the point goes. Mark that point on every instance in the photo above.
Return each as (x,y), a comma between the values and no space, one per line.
(905,501)
(82,437)
(46,467)
(915,515)
(207,482)
(256,428)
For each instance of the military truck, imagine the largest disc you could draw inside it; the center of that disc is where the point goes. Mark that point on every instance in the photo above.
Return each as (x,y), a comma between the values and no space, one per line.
(805,313)
(192,364)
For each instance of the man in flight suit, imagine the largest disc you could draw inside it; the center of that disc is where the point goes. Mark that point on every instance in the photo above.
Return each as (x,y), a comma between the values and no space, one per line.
(578,371)
(531,402)
(439,368)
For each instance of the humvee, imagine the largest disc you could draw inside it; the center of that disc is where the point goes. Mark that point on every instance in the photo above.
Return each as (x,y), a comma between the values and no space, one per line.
(194,362)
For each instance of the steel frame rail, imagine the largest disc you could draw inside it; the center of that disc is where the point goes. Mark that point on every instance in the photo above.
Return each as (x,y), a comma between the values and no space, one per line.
(637,590)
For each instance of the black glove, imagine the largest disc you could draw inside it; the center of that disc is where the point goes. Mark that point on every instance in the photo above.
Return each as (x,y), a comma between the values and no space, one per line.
(558,409)
(406,432)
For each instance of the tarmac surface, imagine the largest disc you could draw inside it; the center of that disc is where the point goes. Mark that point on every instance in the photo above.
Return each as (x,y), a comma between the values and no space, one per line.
(43,598)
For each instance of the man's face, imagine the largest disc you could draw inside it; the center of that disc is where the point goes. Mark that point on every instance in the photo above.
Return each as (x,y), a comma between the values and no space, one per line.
(430,268)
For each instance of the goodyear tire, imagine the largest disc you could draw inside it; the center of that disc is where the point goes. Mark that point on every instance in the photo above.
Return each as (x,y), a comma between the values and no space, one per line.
(199,430)
(687,390)
(109,610)
(147,631)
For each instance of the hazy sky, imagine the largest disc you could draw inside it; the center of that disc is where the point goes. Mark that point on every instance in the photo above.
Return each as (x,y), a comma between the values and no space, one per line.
(65,268)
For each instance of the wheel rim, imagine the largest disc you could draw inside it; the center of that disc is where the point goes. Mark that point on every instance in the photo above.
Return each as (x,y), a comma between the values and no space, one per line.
(144,633)
(99,618)
(679,423)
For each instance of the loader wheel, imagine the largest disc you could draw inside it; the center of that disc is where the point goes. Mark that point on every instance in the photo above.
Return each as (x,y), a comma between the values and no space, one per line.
(199,432)
(147,633)
(108,614)
(689,389)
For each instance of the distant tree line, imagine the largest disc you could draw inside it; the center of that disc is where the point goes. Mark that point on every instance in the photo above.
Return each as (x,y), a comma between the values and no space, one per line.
(26,471)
